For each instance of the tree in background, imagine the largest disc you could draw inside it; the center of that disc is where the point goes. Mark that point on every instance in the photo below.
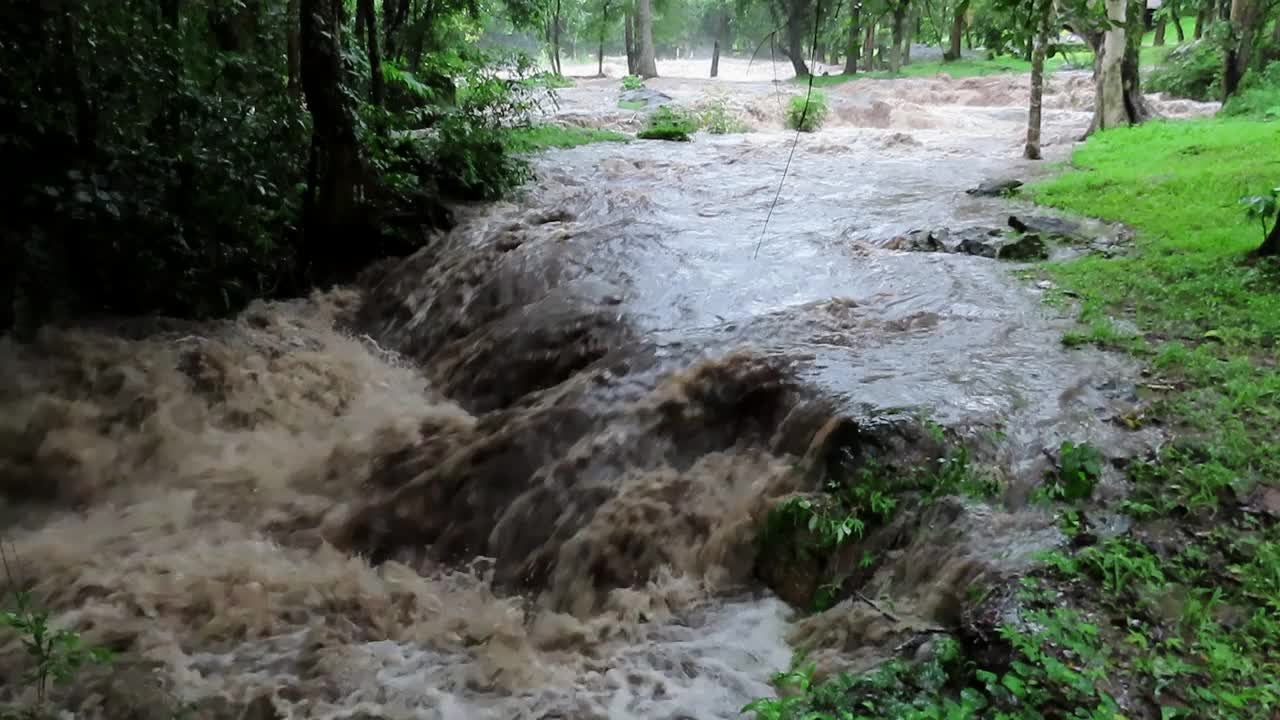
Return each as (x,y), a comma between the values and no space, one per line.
(1043,20)
(1246,17)
(646,53)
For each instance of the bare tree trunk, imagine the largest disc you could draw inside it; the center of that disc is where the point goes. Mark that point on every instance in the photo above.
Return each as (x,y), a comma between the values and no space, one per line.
(1159,38)
(855,34)
(722,32)
(646,61)
(604,25)
(1177,24)
(1032,150)
(555,38)
(909,34)
(1109,110)
(899,29)
(1245,17)
(628,22)
(1199,30)
(293,49)
(869,48)
(332,204)
(957,31)
(376,93)
(1271,246)
(797,14)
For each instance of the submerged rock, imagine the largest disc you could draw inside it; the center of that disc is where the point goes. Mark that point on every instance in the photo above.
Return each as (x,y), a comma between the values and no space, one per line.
(994,187)
(1048,226)
(1026,247)
(981,241)
(652,99)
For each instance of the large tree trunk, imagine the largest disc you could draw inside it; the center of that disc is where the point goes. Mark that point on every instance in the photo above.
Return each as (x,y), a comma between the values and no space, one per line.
(1199,30)
(1177,24)
(376,93)
(957,31)
(909,35)
(646,60)
(332,206)
(869,48)
(394,15)
(1158,41)
(1044,12)
(899,29)
(855,34)
(797,14)
(628,24)
(555,38)
(1246,15)
(604,26)
(1109,108)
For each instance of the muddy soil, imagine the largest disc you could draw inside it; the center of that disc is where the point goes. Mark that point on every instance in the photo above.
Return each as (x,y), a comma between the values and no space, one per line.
(521,473)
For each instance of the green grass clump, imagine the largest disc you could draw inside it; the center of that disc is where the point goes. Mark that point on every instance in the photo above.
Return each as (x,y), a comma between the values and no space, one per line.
(549,80)
(541,137)
(717,120)
(807,113)
(632,82)
(632,104)
(668,123)
(1259,99)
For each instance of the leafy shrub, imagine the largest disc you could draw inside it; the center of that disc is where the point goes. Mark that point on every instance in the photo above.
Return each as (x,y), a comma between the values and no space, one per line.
(549,80)
(1192,71)
(717,120)
(807,114)
(668,123)
(632,82)
(1259,95)
(1079,468)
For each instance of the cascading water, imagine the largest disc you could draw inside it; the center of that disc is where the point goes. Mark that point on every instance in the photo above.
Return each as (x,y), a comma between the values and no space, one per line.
(520,474)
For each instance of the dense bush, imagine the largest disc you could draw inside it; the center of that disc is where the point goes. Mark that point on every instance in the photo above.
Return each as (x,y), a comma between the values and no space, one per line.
(632,82)
(668,123)
(807,114)
(718,121)
(1192,71)
(161,162)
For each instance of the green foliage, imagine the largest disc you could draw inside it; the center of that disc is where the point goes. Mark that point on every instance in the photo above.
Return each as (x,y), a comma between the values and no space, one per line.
(718,121)
(541,137)
(632,104)
(54,654)
(549,80)
(1079,468)
(1263,208)
(669,123)
(807,114)
(632,82)
(1258,97)
(1191,71)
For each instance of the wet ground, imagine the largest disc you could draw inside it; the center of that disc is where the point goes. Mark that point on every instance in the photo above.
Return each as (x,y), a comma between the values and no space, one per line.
(520,474)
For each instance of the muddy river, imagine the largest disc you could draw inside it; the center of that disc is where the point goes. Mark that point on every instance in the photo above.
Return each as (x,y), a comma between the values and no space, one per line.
(520,474)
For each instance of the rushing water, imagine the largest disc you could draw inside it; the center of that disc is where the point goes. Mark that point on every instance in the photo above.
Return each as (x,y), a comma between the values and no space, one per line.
(556,430)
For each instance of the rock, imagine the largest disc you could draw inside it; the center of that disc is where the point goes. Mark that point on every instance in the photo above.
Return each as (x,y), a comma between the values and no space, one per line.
(652,99)
(920,241)
(1046,226)
(994,187)
(262,707)
(980,241)
(1026,247)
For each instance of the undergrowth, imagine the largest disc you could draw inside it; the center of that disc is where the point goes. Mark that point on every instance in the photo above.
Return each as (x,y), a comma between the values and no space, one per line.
(541,137)
(806,113)
(669,123)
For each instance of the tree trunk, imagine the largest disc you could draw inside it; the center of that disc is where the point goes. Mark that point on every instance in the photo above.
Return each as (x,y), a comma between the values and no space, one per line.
(394,15)
(1271,246)
(909,35)
(869,48)
(1159,38)
(555,38)
(1044,11)
(336,170)
(1177,24)
(1109,108)
(855,34)
(796,16)
(628,24)
(899,29)
(1199,31)
(293,49)
(722,31)
(604,26)
(957,31)
(1245,18)
(646,60)
(376,93)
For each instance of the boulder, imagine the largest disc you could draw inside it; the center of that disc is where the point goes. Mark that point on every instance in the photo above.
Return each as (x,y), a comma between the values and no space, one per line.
(1024,247)
(1047,226)
(994,187)
(652,99)
(980,241)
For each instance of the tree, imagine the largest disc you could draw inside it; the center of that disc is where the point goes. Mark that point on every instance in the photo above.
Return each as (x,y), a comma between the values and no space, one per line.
(900,9)
(957,31)
(855,35)
(335,167)
(604,29)
(1246,16)
(1044,12)
(376,81)
(721,36)
(1118,99)
(646,61)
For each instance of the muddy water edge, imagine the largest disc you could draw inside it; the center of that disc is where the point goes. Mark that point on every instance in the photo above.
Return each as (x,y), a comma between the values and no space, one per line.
(525,472)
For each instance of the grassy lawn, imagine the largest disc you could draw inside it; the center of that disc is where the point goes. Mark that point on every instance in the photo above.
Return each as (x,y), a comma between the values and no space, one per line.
(541,137)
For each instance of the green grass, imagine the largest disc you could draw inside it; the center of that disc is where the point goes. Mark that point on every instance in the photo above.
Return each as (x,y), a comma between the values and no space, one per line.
(632,104)
(542,137)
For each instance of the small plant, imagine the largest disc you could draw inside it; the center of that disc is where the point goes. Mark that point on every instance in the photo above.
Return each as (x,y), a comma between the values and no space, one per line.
(717,120)
(632,82)
(1079,468)
(56,654)
(667,123)
(807,114)
(1263,208)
